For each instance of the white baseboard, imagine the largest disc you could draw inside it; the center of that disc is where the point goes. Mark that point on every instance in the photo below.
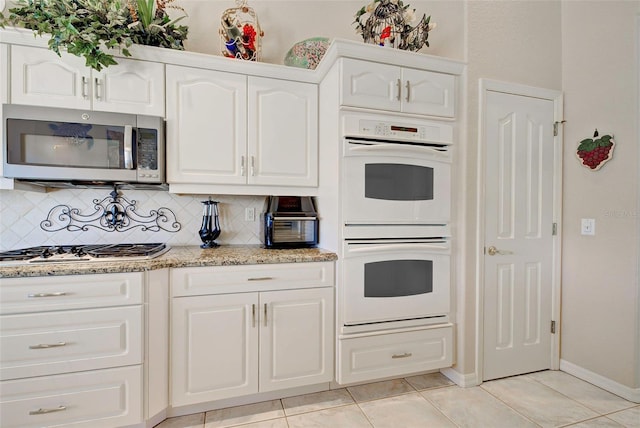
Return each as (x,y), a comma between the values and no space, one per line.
(462,380)
(628,393)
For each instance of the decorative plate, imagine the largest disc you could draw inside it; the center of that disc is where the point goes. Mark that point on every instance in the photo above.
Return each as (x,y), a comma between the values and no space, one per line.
(307,53)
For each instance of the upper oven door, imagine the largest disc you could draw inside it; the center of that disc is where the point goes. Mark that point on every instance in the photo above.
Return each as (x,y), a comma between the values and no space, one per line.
(395,281)
(394,183)
(58,144)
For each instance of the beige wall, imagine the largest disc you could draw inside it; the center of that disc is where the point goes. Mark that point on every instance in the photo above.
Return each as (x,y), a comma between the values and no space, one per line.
(517,42)
(287,22)
(599,281)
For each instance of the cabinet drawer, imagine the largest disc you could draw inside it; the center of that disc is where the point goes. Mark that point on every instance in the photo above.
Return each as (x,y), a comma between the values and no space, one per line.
(103,398)
(62,342)
(394,354)
(19,295)
(248,278)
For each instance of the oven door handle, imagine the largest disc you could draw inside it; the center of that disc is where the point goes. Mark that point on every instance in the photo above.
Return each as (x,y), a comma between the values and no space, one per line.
(360,248)
(359,149)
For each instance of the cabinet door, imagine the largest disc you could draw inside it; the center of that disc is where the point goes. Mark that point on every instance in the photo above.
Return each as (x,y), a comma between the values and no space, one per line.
(283,132)
(371,85)
(428,93)
(296,338)
(206,126)
(40,77)
(135,87)
(214,349)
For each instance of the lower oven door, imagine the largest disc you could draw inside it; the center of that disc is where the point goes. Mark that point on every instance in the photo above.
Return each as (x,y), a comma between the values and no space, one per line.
(395,280)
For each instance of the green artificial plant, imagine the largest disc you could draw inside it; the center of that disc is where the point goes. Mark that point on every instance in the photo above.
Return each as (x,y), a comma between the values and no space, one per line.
(88,27)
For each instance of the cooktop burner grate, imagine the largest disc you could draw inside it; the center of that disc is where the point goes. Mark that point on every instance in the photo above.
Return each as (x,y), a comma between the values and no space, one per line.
(125,250)
(101,252)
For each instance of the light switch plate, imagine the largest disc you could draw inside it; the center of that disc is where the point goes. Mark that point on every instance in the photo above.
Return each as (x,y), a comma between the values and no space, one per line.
(588,226)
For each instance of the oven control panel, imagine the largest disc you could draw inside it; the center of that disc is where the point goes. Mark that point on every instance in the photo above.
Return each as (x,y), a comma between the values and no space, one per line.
(388,129)
(373,126)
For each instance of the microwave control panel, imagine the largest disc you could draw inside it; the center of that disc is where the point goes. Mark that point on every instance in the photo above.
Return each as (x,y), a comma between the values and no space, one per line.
(147,149)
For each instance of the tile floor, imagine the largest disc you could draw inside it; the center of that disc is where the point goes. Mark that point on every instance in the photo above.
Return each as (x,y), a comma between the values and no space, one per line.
(543,399)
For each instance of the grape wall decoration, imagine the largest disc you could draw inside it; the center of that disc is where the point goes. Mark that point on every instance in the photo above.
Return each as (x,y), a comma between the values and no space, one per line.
(595,152)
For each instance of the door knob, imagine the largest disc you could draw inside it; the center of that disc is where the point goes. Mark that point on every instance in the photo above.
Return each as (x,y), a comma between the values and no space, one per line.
(492,251)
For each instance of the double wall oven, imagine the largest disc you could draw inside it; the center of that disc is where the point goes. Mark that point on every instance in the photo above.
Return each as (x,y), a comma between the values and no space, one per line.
(396,207)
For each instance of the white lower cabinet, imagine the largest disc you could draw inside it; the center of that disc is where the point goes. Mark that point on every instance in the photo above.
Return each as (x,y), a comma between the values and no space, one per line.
(45,343)
(71,350)
(94,399)
(251,341)
(369,356)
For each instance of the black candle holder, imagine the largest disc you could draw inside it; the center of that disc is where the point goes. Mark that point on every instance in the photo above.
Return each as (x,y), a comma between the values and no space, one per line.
(210,229)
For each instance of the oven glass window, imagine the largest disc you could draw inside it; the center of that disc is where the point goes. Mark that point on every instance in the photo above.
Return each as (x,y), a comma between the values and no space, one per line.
(395,278)
(79,145)
(398,182)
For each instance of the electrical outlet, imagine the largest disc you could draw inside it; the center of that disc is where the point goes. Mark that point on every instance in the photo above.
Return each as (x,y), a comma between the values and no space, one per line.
(588,226)
(250,214)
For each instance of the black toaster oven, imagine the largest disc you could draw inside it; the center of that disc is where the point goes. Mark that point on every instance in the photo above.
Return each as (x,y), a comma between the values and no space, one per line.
(290,222)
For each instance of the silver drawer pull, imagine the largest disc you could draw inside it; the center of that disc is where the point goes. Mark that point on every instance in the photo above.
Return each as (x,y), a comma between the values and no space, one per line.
(405,355)
(47,345)
(56,294)
(45,411)
(261,278)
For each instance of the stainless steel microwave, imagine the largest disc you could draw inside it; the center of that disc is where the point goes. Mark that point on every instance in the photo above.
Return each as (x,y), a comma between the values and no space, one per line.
(42,143)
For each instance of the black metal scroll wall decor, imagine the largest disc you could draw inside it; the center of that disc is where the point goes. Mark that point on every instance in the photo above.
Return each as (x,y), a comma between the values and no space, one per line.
(115,213)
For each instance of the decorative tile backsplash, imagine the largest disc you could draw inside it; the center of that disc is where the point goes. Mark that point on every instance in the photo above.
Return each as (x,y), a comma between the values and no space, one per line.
(21,213)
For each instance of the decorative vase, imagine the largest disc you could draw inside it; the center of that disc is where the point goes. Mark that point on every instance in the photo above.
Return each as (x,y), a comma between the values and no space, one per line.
(240,33)
(210,228)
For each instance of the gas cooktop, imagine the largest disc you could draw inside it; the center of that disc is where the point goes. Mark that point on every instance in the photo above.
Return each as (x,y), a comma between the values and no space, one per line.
(84,253)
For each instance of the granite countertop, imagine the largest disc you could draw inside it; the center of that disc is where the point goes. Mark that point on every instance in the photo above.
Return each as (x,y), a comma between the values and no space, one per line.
(177,257)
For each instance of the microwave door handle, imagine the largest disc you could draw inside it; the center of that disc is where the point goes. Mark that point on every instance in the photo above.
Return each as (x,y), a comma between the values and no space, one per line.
(128,147)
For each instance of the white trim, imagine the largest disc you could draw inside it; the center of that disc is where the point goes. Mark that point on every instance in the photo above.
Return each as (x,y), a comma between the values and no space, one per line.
(628,393)
(637,299)
(462,380)
(485,86)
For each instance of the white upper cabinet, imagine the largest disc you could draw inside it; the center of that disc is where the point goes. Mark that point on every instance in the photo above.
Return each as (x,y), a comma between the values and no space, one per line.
(283,132)
(40,77)
(227,128)
(206,126)
(399,89)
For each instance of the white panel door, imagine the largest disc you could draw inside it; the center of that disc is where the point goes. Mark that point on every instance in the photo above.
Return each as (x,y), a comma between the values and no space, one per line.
(370,85)
(283,132)
(214,347)
(296,338)
(206,126)
(429,93)
(135,87)
(42,78)
(518,234)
